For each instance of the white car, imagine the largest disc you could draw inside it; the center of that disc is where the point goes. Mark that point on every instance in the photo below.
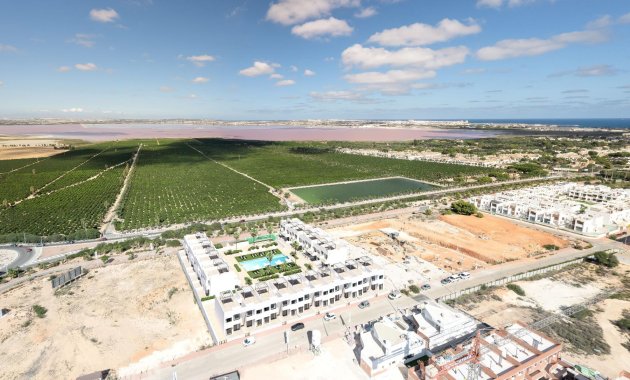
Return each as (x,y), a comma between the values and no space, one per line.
(394,295)
(329,316)
(464,275)
(454,277)
(249,341)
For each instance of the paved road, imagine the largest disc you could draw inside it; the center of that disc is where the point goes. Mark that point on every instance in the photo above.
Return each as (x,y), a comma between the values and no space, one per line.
(24,257)
(230,356)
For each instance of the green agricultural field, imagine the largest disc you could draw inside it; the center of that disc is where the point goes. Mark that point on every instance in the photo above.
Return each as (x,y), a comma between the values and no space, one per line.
(77,208)
(173,183)
(294,164)
(60,170)
(9,165)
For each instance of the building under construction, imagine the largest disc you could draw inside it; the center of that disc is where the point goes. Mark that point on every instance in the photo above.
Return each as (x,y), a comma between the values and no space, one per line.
(516,352)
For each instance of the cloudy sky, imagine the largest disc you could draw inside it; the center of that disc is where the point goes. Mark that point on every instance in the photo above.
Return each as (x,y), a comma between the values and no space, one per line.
(290,59)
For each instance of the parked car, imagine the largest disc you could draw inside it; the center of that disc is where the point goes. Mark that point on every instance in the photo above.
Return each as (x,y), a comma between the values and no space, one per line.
(464,275)
(364,304)
(249,341)
(297,326)
(453,277)
(394,295)
(446,281)
(425,287)
(329,316)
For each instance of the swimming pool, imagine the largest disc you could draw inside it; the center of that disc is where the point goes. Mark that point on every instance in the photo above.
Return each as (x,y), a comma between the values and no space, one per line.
(262,262)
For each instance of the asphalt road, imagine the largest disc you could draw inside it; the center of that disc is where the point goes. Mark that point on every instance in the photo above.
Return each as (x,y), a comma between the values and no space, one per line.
(24,257)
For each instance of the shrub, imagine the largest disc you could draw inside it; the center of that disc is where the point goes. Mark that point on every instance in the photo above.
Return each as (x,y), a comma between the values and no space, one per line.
(248,280)
(171,292)
(218,246)
(40,311)
(207,298)
(462,207)
(237,267)
(414,288)
(479,214)
(551,247)
(516,289)
(606,259)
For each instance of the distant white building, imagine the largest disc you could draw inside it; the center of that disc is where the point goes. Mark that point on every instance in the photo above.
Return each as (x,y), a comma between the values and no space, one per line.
(212,271)
(317,243)
(585,209)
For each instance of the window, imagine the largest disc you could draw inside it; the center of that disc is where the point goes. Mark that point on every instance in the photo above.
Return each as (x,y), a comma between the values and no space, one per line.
(285,303)
(301,299)
(293,302)
(258,311)
(308,296)
(267,308)
(273,306)
(250,313)
(228,319)
(237,317)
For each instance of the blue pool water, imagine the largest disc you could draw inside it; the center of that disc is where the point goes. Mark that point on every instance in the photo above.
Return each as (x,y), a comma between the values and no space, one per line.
(262,262)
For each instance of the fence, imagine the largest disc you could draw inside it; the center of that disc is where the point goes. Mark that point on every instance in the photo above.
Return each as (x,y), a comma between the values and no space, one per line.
(512,278)
(67,277)
(198,299)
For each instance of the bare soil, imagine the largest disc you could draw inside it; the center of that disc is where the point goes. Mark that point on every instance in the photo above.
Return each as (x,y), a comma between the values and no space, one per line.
(110,318)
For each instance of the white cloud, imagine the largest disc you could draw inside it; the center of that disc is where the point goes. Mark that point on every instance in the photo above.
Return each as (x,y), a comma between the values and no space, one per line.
(366,12)
(4,48)
(72,110)
(200,60)
(166,89)
(1,83)
(337,95)
(475,70)
(372,57)
(85,40)
(499,3)
(64,69)
(512,48)
(625,19)
(104,15)
(424,34)
(601,22)
(325,27)
(85,67)
(199,80)
(276,76)
(293,68)
(589,71)
(309,73)
(286,82)
(259,68)
(289,12)
(389,82)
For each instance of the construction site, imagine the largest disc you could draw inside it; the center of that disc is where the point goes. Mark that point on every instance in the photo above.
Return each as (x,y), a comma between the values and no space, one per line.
(453,243)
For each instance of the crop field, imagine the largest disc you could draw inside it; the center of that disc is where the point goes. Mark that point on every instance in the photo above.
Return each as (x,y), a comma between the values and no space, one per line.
(345,192)
(66,211)
(62,170)
(291,164)
(174,183)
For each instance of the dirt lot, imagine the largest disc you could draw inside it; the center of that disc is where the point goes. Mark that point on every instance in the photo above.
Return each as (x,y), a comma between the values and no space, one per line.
(453,242)
(548,296)
(111,317)
(11,148)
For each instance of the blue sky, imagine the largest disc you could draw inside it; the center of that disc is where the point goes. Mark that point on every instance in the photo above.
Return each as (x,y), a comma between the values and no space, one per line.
(293,59)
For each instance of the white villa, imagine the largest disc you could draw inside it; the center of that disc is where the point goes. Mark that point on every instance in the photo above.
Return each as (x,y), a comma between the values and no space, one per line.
(585,209)
(212,271)
(317,243)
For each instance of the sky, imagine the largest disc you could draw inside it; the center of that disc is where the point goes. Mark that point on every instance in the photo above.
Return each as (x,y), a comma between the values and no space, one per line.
(315,59)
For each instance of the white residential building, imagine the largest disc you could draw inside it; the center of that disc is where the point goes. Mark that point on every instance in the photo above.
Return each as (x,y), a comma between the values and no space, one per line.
(427,329)
(586,209)
(212,271)
(317,243)
(293,295)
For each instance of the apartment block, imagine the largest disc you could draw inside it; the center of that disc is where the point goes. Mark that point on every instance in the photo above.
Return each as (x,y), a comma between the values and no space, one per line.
(318,245)
(212,271)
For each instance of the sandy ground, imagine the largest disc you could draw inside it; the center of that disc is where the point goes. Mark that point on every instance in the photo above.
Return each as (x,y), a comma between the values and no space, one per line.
(504,307)
(7,256)
(111,317)
(334,362)
(15,148)
(54,250)
(7,153)
(619,357)
(454,243)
